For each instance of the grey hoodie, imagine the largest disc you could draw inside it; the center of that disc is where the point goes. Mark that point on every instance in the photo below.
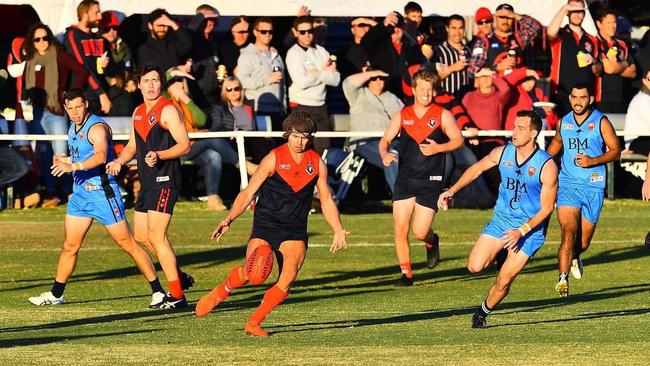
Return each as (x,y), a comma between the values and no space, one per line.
(253,69)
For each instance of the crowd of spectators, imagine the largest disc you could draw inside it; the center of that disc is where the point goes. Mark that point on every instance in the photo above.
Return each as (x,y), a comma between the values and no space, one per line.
(225,83)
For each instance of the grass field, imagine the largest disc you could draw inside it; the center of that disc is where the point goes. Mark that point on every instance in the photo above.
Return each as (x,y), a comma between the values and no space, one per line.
(343,309)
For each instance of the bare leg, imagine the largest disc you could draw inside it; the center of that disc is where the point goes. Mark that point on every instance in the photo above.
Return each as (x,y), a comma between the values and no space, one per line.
(402,211)
(76,229)
(569,218)
(121,233)
(483,253)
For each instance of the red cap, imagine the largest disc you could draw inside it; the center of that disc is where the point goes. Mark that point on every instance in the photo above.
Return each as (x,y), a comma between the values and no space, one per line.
(481,14)
(109,19)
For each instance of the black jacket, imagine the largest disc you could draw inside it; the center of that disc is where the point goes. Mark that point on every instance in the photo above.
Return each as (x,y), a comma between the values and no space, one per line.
(222,120)
(165,53)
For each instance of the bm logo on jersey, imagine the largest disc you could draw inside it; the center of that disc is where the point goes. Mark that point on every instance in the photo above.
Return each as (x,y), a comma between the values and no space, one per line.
(519,188)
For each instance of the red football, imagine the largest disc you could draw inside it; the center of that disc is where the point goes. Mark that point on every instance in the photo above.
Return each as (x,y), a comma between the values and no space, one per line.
(259,264)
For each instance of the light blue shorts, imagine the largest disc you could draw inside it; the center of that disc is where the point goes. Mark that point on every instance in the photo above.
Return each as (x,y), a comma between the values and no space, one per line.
(109,211)
(529,244)
(590,203)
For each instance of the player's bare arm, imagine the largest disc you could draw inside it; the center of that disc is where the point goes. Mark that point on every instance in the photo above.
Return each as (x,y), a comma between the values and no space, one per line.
(391,132)
(98,136)
(127,154)
(171,120)
(613,148)
(548,177)
(470,174)
(556,143)
(330,212)
(244,198)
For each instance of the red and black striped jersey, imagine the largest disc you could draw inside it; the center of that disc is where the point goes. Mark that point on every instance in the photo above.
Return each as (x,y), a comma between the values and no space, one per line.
(86,47)
(414,131)
(609,87)
(565,71)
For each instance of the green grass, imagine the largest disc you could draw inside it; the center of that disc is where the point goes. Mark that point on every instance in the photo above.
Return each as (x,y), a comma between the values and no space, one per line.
(343,309)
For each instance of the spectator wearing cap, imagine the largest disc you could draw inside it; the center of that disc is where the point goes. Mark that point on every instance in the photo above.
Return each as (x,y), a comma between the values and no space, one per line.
(451,58)
(371,108)
(261,71)
(525,97)
(204,52)
(354,58)
(575,54)
(483,19)
(238,38)
(618,65)
(120,51)
(167,45)
(504,47)
(311,71)
(393,53)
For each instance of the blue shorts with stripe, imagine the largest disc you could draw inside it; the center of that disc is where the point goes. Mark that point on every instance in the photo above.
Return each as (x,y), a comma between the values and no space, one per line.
(589,202)
(529,244)
(108,211)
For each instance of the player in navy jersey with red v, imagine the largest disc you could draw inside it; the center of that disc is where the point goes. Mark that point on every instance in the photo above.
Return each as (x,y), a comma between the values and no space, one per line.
(285,182)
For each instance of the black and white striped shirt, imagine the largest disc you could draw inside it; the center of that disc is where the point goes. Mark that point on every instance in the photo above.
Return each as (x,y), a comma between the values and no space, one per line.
(457,82)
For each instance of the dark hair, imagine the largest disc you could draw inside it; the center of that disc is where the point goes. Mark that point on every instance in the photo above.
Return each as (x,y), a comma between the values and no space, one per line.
(84,7)
(535,119)
(73,94)
(262,20)
(580,86)
(302,19)
(411,7)
(28,45)
(238,19)
(154,15)
(206,7)
(454,17)
(145,69)
(605,12)
(300,122)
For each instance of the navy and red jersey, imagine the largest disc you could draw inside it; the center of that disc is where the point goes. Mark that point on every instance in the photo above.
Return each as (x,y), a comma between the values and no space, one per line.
(414,131)
(86,47)
(565,71)
(501,48)
(284,199)
(150,135)
(610,87)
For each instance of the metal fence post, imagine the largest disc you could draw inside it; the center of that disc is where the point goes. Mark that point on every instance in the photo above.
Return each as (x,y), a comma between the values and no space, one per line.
(241,152)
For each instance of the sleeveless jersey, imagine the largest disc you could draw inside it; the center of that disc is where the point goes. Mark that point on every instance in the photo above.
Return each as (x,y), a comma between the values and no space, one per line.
(150,135)
(92,184)
(414,130)
(521,186)
(584,139)
(285,197)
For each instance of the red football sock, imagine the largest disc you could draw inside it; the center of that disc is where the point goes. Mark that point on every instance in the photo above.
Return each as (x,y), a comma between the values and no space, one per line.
(272,298)
(406,269)
(175,288)
(232,282)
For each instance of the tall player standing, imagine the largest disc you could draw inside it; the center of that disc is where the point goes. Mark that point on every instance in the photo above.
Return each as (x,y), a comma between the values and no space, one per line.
(285,181)
(588,141)
(95,196)
(427,131)
(159,139)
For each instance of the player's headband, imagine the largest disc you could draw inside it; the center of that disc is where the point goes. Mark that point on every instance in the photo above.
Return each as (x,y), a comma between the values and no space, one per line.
(309,135)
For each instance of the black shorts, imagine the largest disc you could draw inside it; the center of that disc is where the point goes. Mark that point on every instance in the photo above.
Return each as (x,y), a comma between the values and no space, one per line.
(275,237)
(426,192)
(160,200)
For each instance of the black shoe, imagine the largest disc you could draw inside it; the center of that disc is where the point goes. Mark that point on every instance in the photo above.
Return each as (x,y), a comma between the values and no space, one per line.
(501,258)
(187,281)
(405,281)
(479,321)
(647,240)
(170,302)
(433,253)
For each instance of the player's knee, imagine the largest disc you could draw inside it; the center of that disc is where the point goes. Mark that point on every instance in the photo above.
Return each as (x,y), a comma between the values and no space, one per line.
(475,267)
(126,243)
(401,231)
(70,247)
(421,234)
(504,282)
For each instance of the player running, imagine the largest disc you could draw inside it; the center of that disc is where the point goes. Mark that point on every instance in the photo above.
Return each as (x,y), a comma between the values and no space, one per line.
(427,131)
(159,139)
(95,196)
(285,181)
(526,197)
(588,141)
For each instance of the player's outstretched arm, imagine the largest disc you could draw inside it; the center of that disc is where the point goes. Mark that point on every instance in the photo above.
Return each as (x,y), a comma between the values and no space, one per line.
(556,143)
(98,136)
(244,198)
(470,175)
(384,143)
(172,121)
(330,211)
(548,177)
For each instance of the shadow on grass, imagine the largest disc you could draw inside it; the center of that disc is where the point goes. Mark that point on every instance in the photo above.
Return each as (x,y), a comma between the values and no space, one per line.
(56,339)
(579,317)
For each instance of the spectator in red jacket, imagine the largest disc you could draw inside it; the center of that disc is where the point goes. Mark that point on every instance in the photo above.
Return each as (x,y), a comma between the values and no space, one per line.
(525,96)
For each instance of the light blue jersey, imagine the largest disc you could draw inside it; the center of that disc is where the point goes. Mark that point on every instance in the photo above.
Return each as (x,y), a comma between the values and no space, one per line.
(584,138)
(519,197)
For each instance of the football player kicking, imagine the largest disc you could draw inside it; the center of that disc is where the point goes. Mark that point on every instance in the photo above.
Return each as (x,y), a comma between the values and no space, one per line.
(95,196)
(285,183)
(526,197)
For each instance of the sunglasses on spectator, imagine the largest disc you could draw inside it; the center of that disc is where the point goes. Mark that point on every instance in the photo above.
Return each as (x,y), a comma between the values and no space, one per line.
(504,17)
(39,39)
(361,25)
(576,11)
(265,31)
(108,29)
(305,31)
(237,88)
(483,22)
(175,79)
(375,78)
(241,32)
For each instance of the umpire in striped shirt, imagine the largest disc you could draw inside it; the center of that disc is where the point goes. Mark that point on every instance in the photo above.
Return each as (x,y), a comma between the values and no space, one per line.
(452,57)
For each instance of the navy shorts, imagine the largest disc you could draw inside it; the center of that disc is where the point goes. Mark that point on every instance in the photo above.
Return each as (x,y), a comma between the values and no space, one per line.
(159,200)
(426,192)
(275,237)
